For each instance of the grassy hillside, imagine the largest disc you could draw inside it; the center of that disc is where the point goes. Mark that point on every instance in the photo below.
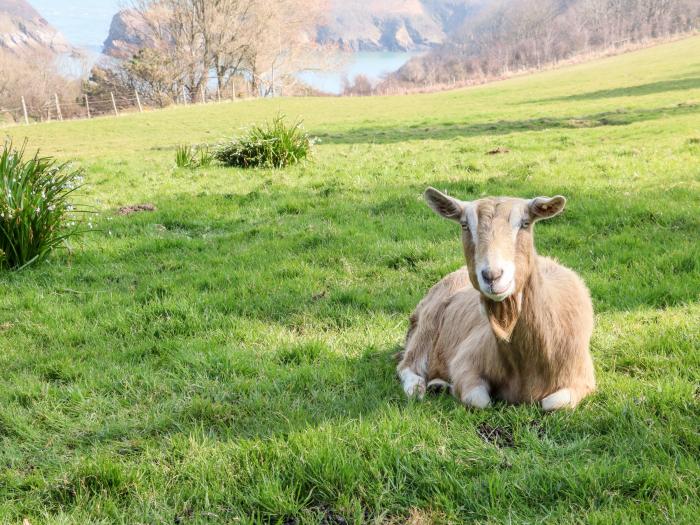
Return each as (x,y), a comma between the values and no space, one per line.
(228,358)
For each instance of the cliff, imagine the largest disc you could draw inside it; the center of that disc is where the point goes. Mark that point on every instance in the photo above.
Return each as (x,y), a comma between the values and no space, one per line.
(22,30)
(393,25)
(354,25)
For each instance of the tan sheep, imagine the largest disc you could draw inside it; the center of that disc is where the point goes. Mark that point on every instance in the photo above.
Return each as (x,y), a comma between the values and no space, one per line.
(511,324)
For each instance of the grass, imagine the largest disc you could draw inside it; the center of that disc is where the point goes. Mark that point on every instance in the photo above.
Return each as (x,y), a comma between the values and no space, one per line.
(274,144)
(227,358)
(193,157)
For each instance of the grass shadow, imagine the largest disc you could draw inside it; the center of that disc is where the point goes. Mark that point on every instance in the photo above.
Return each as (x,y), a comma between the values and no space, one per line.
(652,88)
(621,117)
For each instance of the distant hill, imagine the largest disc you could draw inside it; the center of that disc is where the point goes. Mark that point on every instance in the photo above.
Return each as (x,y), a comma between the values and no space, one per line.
(394,25)
(22,29)
(354,25)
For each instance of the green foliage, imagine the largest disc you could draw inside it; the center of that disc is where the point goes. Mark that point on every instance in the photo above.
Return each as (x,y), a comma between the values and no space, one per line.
(36,211)
(274,144)
(185,156)
(193,156)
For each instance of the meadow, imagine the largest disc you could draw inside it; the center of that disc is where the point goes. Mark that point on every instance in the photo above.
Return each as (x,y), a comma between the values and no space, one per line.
(228,358)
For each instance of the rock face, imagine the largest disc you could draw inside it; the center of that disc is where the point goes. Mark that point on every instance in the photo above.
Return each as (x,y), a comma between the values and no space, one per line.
(393,25)
(126,35)
(353,25)
(22,30)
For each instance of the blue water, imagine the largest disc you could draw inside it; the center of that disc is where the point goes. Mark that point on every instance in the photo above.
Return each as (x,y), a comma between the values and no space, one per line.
(85,23)
(373,64)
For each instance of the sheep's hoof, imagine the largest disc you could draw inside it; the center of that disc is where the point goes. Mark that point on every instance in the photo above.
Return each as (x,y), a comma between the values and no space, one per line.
(413,384)
(559,399)
(477,397)
(438,386)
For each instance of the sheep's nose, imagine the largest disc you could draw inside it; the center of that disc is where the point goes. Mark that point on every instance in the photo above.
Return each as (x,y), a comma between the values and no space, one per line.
(491,276)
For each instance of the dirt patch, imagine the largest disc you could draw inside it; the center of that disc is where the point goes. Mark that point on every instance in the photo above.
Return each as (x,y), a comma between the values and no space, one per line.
(501,437)
(135,208)
(498,151)
(318,296)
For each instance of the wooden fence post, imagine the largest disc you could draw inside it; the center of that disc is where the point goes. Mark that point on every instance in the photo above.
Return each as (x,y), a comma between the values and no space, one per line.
(184,96)
(87,106)
(233,89)
(24,108)
(58,107)
(138,100)
(218,93)
(114,105)
(204,96)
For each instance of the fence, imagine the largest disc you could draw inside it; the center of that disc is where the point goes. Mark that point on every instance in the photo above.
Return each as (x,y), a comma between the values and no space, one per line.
(87,107)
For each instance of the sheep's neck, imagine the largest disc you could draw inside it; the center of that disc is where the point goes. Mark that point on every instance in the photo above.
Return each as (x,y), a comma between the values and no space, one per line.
(516,317)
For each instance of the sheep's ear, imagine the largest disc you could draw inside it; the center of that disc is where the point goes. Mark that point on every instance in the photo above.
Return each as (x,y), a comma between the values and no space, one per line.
(443,204)
(546,207)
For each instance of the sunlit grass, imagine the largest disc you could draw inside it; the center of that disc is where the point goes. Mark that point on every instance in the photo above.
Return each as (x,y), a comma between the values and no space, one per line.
(228,357)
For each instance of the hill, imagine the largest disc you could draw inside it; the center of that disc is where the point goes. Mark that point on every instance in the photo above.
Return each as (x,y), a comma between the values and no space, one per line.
(227,358)
(517,35)
(355,25)
(395,25)
(22,29)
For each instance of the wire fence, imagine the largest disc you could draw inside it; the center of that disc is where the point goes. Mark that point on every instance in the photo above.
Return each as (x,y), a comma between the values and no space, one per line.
(113,104)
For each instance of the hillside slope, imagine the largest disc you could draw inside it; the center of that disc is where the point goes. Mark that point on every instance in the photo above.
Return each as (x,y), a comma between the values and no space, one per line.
(22,29)
(227,358)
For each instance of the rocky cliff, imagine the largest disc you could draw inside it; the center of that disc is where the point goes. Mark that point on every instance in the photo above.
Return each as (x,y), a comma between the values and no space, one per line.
(354,25)
(126,34)
(393,25)
(22,29)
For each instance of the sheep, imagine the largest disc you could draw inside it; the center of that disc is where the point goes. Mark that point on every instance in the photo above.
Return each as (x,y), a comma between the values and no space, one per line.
(511,324)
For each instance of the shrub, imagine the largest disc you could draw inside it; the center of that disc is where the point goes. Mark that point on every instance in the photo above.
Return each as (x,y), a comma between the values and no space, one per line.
(36,214)
(193,156)
(274,144)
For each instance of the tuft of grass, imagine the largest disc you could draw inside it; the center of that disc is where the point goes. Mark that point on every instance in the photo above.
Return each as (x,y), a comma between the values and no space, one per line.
(274,144)
(205,157)
(36,211)
(193,157)
(185,156)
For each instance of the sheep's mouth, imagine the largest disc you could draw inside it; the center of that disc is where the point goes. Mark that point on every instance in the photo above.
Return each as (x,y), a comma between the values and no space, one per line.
(498,292)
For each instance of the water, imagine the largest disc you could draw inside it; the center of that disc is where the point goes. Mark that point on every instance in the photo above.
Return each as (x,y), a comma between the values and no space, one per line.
(373,64)
(85,23)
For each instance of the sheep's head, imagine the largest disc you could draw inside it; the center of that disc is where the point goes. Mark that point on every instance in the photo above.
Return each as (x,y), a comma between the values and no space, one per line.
(498,243)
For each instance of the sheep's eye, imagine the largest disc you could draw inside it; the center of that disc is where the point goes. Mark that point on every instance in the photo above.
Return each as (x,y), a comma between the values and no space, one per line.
(525,224)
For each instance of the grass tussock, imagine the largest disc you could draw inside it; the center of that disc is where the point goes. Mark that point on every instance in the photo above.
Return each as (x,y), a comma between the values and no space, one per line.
(193,157)
(37,213)
(275,144)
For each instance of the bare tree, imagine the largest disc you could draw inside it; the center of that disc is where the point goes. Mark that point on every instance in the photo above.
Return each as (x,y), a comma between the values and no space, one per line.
(36,77)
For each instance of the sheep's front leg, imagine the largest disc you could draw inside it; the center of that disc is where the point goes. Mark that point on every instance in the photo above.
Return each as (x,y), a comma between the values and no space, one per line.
(413,384)
(472,391)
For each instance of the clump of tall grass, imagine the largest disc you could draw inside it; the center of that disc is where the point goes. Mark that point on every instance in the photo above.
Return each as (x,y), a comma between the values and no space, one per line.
(36,212)
(193,156)
(275,144)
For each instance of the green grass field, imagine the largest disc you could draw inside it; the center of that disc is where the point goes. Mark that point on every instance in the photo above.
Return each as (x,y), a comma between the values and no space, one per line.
(228,358)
